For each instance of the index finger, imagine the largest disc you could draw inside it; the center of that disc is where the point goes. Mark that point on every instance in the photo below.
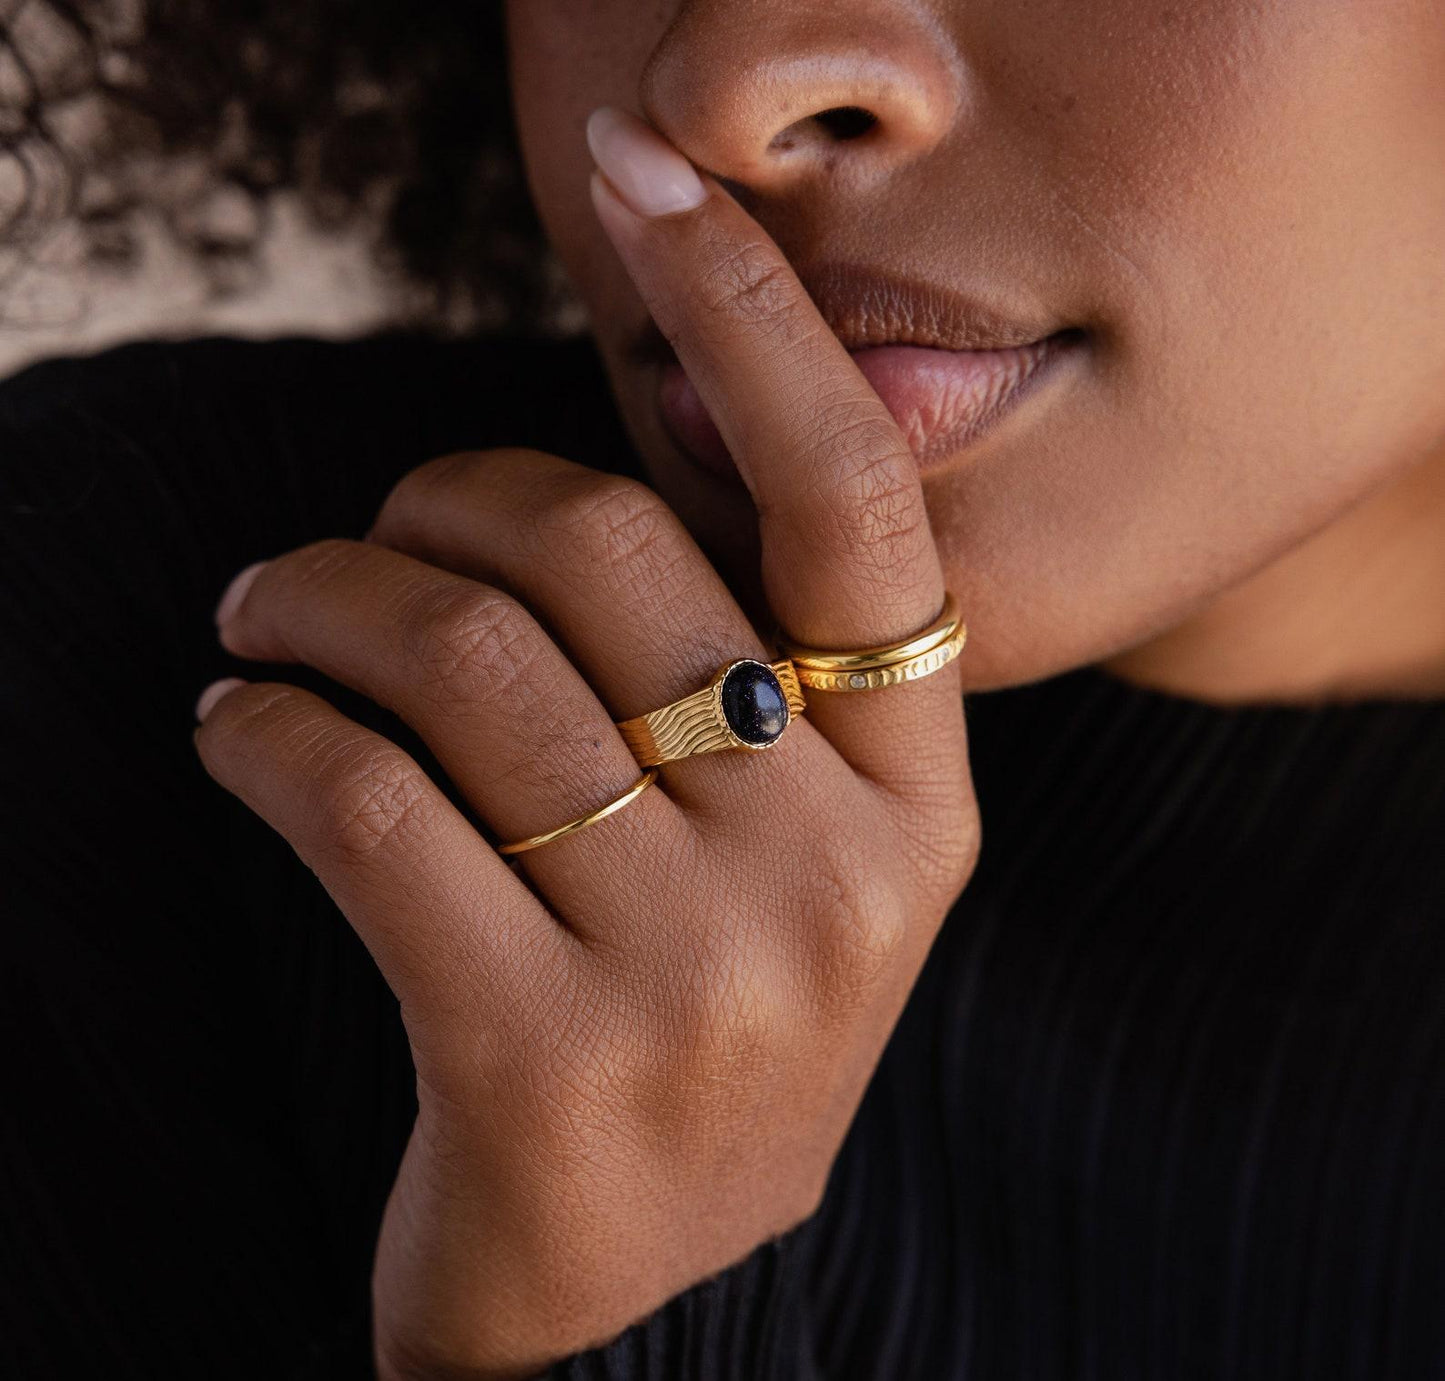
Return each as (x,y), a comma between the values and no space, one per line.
(848,556)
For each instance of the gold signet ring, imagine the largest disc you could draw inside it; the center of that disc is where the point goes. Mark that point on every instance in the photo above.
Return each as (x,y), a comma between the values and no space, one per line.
(747,704)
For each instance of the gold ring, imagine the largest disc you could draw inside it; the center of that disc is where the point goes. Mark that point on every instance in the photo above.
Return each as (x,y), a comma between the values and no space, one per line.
(747,704)
(889,664)
(582,821)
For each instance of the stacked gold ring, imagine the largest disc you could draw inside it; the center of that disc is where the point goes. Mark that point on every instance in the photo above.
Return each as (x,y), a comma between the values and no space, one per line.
(888,664)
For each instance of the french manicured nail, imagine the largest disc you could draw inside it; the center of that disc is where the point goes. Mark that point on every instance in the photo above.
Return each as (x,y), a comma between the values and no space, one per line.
(236,592)
(648,173)
(214,692)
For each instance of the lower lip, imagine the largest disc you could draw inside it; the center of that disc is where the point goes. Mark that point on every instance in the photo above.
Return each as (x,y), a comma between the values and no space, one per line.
(942,399)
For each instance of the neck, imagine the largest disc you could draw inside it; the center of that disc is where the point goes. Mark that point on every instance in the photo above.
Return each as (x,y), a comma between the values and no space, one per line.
(1356,612)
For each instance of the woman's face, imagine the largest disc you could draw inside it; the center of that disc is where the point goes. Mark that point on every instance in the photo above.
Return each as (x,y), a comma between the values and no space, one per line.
(1233,210)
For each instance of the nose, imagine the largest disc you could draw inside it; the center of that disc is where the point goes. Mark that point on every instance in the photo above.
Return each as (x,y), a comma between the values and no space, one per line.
(768,93)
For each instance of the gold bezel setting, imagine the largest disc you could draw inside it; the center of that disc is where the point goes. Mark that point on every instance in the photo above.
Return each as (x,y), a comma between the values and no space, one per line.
(738,741)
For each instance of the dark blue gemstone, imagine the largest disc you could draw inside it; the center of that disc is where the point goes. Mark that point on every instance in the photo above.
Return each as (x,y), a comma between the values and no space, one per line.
(753,703)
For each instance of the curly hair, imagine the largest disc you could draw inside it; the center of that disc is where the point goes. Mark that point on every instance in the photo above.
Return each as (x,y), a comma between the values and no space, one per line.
(377,112)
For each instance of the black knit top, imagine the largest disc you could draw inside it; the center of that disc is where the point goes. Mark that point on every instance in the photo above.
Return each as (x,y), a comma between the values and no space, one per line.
(1167,1102)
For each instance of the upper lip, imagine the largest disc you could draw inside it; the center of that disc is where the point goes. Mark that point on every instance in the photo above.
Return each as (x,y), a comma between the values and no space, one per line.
(865,307)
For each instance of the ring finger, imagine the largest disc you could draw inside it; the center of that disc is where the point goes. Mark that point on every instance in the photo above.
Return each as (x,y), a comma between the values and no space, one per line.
(509,718)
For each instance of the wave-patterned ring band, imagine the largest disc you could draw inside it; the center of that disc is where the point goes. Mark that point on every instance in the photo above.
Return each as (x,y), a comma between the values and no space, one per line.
(747,704)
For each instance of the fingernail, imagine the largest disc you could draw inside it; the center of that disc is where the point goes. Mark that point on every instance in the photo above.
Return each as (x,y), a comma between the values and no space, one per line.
(236,592)
(214,692)
(648,173)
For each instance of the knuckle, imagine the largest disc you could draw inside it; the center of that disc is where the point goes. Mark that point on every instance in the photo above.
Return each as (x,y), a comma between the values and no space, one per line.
(403,512)
(446,482)
(373,799)
(862,926)
(943,856)
(959,854)
(440,474)
(420,489)
(874,507)
(476,650)
(750,282)
(607,521)
(871,510)
(471,644)
(736,1013)
(940,836)
(622,540)
(714,1022)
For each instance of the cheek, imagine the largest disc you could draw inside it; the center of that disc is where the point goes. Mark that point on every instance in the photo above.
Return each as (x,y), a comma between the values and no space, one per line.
(1245,202)
(567,57)
(1255,199)
(1256,195)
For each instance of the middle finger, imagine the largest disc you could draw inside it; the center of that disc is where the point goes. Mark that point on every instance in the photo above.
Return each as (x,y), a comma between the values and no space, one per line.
(619,581)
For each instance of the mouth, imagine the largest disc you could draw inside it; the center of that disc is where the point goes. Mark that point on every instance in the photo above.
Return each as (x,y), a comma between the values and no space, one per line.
(946,366)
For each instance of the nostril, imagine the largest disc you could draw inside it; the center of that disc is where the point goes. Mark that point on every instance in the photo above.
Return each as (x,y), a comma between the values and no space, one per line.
(839,124)
(846,121)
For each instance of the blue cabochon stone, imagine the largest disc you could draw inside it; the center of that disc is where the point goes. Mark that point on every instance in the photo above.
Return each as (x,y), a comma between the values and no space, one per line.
(753,703)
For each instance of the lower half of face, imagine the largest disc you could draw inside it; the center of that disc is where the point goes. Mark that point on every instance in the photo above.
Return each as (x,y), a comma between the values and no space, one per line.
(1227,222)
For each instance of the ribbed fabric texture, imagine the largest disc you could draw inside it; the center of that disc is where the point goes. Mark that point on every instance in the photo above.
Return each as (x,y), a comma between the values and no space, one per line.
(1167,1102)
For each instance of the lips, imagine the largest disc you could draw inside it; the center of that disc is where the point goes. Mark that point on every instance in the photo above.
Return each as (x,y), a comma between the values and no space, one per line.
(941,399)
(946,365)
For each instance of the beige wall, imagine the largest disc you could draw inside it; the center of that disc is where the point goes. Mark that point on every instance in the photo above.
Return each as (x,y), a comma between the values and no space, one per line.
(51,303)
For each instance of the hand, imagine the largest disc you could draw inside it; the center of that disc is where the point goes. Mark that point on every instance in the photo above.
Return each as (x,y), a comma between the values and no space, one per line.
(638,1054)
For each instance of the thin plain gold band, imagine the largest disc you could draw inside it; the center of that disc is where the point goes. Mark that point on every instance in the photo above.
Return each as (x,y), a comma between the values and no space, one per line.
(871,668)
(582,821)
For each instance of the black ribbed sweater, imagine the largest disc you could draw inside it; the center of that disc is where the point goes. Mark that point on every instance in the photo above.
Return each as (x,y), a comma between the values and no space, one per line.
(1167,1102)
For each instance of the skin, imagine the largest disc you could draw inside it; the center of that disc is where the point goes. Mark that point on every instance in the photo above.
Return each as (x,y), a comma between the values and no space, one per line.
(638,1052)
(671,1027)
(1243,204)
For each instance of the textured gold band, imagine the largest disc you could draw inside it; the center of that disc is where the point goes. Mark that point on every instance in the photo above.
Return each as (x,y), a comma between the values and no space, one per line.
(582,821)
(888,664)
(696,723)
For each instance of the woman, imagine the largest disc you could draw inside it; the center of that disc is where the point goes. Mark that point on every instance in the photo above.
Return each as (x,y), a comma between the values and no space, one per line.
(1117,324)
